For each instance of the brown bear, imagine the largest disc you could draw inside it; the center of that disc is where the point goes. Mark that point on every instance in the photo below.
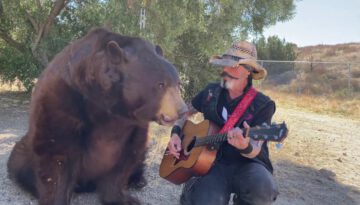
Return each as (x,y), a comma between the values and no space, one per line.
(89,117)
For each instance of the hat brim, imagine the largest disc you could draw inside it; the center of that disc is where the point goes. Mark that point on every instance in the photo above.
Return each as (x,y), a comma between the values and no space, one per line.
(258,73)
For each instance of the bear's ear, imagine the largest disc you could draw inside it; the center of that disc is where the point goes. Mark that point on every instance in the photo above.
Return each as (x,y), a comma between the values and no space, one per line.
(116,54)
(159,50)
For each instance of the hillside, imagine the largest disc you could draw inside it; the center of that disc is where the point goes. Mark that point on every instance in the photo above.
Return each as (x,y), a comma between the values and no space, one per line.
(320,77)
(349,52)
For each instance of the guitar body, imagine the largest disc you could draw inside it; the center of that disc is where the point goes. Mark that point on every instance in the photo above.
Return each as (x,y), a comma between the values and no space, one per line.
(193,162)
(199,148)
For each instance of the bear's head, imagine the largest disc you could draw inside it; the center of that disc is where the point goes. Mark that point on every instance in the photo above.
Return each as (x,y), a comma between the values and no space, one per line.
(129,76)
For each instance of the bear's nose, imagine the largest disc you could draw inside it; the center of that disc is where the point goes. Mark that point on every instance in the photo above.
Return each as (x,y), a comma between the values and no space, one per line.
(167,118)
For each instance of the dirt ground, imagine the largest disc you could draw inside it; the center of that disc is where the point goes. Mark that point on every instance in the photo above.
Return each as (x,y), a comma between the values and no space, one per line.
(318,164)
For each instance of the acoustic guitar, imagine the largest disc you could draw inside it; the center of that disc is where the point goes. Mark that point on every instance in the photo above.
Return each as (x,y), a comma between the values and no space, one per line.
(200,145)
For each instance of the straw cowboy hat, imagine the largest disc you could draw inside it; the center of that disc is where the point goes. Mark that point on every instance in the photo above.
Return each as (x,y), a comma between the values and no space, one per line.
(241,53)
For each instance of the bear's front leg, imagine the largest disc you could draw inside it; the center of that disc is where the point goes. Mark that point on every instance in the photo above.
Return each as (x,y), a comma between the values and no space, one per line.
(112,190)
(55,179)
(113,187)
(137,179)
(130,163)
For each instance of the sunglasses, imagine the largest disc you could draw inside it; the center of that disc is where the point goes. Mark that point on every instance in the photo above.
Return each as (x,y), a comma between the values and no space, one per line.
(225,74)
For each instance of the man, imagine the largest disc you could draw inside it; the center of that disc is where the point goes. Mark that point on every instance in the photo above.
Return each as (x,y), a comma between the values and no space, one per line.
(242,165)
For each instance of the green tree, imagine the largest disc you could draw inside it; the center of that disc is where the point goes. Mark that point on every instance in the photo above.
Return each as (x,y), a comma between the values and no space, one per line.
(274,48)
(190,31)
(24,28)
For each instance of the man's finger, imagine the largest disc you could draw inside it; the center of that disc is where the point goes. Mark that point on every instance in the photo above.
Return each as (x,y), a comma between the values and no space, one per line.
(247,129)
(230,134)
(246,125)
(178,147)
(173,147)
(176,154)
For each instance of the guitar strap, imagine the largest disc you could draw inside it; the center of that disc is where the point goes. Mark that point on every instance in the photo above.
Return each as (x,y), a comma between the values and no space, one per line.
(239,110)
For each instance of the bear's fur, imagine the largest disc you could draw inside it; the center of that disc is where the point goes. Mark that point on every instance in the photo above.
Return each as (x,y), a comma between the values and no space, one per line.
(89,117)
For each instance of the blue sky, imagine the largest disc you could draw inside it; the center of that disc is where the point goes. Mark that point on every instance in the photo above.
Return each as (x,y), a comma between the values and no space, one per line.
(321,22)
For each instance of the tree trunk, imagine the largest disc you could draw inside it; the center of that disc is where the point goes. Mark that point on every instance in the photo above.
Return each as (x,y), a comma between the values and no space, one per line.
(42,29)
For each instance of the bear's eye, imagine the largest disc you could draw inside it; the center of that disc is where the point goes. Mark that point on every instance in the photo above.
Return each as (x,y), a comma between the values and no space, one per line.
(161,85)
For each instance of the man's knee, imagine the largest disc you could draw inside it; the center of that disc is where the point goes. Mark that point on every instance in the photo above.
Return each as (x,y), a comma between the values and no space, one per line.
(197,199)
(263,192)
(256,186)
(195,193)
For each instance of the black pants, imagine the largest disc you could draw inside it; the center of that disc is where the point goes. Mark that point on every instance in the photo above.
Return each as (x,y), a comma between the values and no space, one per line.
(252,184)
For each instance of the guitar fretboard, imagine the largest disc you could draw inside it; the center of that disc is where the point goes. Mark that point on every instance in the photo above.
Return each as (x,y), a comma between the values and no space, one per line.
(211,139)
(266,132)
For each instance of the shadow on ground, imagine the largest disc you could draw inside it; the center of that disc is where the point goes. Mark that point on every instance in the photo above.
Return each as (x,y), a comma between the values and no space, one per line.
(305,185)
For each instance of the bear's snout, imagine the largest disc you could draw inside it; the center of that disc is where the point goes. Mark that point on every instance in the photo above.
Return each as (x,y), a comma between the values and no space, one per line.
(172,107)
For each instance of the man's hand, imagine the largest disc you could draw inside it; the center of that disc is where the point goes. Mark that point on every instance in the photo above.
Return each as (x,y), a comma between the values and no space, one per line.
(174,145)
(236,137)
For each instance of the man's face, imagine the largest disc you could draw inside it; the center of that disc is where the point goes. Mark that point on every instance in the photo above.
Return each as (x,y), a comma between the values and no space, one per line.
(234,77)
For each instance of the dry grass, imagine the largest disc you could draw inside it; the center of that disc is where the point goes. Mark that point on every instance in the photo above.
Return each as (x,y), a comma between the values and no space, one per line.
(16,86)
(339,53)
(349,108)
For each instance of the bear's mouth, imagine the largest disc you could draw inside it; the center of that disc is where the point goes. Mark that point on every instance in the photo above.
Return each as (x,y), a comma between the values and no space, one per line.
(166,120)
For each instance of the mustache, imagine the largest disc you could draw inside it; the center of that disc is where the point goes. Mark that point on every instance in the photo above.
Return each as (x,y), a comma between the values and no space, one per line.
(225,74)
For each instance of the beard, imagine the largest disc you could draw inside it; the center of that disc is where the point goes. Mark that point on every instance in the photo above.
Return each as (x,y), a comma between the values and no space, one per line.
(226,84)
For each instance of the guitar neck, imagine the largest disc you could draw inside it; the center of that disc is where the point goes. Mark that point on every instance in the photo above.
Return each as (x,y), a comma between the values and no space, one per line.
(217,138)
(272,133)
(212,139)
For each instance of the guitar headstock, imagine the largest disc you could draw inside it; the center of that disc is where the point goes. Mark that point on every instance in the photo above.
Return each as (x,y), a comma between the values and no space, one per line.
(273,132)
